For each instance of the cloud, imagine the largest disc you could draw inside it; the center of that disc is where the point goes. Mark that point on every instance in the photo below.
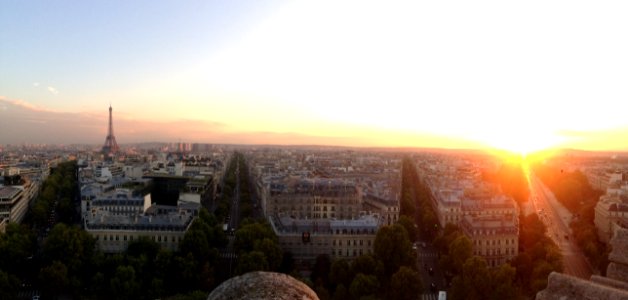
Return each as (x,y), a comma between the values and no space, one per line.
(23,104)
(36,84)
(53,90)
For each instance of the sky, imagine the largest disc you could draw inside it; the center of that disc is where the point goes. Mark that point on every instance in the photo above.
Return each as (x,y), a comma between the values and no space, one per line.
(519,76)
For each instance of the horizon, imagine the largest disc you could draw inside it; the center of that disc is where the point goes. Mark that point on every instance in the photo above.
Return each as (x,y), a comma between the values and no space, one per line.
(485,75)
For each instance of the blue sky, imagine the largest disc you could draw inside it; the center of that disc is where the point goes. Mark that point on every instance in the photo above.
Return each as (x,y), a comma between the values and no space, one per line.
(92,47)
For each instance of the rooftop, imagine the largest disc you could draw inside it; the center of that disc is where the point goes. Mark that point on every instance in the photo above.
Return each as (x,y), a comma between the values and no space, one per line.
(8,192)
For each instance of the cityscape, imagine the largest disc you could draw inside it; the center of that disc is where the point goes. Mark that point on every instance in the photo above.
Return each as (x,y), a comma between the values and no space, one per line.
(298,150)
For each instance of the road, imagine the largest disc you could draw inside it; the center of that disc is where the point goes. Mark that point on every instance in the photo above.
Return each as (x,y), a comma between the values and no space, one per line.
(427,257)
(228,253)
(556,217)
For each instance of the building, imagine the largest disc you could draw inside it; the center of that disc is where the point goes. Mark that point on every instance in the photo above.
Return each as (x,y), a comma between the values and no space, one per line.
(494,238)
(387,210)
(117,202)
(15,200)
(340,239)
(318,198)
(611,211)
(165,225)
(3,225)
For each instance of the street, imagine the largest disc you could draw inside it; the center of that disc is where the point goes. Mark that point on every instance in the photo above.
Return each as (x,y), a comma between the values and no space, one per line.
(427,257)
(556,218)
(234,220)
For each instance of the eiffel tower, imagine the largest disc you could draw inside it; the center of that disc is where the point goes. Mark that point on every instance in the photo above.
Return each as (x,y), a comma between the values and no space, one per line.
(110,147)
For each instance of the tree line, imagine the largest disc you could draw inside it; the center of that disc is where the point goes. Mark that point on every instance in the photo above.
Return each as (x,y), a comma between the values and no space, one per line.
(66,262)
(389,273)
(416,202)
(573,190)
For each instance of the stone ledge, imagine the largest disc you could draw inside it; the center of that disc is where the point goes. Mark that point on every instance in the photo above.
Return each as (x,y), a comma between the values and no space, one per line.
(263,285)
(610,282)
(617,271)
(565,287)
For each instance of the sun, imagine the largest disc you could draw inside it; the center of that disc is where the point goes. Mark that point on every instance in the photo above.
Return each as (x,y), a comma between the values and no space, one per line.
(521,142)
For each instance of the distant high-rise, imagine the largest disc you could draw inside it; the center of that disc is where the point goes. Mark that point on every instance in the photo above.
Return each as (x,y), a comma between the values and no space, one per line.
(110,147)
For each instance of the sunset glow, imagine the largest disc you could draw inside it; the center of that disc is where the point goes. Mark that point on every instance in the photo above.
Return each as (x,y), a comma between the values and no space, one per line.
(519,77)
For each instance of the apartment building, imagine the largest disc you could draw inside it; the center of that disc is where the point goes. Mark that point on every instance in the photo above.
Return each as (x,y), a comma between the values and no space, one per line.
(388,210)
(494,238)
(15,200)
(340,239)
(313,199)
(611,211)
(165,225)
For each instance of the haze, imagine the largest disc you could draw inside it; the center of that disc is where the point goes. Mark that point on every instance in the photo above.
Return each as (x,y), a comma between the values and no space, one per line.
(515,76)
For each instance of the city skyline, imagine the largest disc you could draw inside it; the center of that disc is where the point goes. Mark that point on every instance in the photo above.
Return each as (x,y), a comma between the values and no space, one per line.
(474,75)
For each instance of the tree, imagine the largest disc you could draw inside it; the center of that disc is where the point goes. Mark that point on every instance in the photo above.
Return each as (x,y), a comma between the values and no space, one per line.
(72,246)
(123,284)
(271,250)
(252,261)
(54,279)
(8,284)
(17,245)
(474,281)
(195,242)
(450,233)
(393,248)
(410,227)
(364,264)
(503,283)
(460,250)
(321,269)
(406,284)
(539,276)
(143,246)
(248,234)
(340,273)
(363,285)
(341,293)
(523,265)
(287,263)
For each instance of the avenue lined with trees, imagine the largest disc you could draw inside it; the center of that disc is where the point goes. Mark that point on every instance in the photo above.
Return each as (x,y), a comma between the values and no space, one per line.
(470,276)
(573,190)
(51,253)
